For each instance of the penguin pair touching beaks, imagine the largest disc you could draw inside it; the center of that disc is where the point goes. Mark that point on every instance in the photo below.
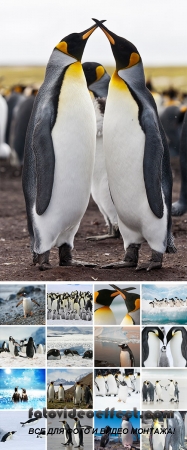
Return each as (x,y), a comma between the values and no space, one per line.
(104,297)
(61,140)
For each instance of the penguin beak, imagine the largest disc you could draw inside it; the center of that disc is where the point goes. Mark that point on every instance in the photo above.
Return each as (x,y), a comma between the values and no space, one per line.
(108,33)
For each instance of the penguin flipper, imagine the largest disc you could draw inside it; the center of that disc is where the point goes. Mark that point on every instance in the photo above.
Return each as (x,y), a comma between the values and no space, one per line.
(153,152)
(19,303)
(34,301)
(45,162)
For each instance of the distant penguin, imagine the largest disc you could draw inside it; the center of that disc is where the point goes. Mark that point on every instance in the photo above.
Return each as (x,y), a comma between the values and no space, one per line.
(30,422)
(164,361)
(157,440)
(53,354)
(62,122)
(40,349)
(127,436)
(122,391)
(144,391)
(177,337)
(78,436)
(4,346)
(132,303)
(77,394)
(111,382)
(27,305)
(24,396)
(137,383)
(158,390)
(126,356)
(88,354)
(6,436)
(171,390)
(131,122)
(100,384)
(151,337)
(31,349)
(150,391)
(51,392)
(61,393)
(97,82)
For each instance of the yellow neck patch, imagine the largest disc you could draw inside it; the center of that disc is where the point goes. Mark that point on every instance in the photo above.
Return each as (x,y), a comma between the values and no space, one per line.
(99,72)
(95,296)
(117,82)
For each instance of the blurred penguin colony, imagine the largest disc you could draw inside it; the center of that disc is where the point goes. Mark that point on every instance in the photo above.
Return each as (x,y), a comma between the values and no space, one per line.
(115,127)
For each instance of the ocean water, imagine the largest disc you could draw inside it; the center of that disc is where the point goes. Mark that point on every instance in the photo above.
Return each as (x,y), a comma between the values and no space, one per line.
(36,399)
(170,316)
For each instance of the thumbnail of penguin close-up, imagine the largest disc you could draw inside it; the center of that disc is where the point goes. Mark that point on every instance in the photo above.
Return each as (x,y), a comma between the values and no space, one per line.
(177,339)
(151,341)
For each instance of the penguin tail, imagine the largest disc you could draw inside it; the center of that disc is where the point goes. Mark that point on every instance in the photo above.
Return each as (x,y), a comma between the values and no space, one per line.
(170,244)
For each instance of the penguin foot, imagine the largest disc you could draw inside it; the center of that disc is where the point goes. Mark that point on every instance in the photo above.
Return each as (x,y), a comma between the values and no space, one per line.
(65,258)
(113,233)
(43,261)
(154,263)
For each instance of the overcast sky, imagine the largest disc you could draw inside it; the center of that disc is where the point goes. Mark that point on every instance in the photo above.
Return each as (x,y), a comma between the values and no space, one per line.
(29,29)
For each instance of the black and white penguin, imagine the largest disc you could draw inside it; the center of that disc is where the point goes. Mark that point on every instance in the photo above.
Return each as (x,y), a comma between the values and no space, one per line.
(30,422)
(51,392)
(77,393)
(6,436)
(61,393)
(158,390)
(132,302)
(97,82)
(103,315)
(61,136)
(150,391)
(127,436)
(40,349)
(4,346)
(88,354)
(171,389)
(30,348)
(13,346)
(151,337)
(78,435)
(144,391)
(180,207)
(106,437)
(157,439)
(133,137)
(53,354)
(67,432)
(126,356)
(100,384)
(41,434)
(27,305)
(177,337)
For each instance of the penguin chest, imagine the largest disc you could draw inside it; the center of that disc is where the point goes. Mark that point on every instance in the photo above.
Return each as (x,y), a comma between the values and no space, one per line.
(104,315)
(27,305)
(73,136)
(125,360)
(154,351)
(124,142)
(51,392)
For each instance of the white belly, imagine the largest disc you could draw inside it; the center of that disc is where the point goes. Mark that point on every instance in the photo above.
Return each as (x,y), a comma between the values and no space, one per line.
(158,390)
(74,135)
(112,385)
(127,438)
(124,143)
(78,394)
(27,305)
(60,393)
(154,351)
(122,393)
(125,360)
(51,393)
(101,384)
(171,389)
(175,345)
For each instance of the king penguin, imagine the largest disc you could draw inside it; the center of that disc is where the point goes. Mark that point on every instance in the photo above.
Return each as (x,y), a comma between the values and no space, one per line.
(97,81)
(151,337)
(137,159)
(104,297)
(59,153)
(132,302)
(177,336)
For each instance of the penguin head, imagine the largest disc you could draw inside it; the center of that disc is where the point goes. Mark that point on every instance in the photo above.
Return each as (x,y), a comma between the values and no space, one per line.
(174,331)
(157,331)
(97,78)
(125,53)
(123,346)
(73,45)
